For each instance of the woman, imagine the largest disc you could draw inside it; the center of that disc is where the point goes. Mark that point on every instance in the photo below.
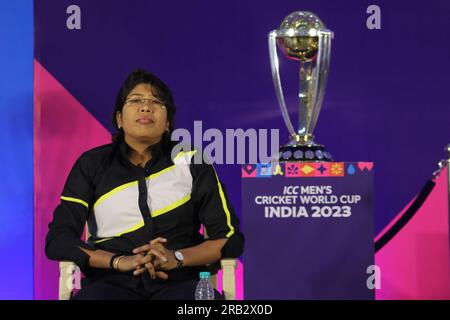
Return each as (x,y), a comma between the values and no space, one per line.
(144,209)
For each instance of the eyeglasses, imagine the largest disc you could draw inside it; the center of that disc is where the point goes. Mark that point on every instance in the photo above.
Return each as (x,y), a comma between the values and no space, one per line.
(154,104)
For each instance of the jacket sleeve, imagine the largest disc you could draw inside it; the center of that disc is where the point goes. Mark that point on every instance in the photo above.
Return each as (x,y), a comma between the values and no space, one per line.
(215,210)
(63,241)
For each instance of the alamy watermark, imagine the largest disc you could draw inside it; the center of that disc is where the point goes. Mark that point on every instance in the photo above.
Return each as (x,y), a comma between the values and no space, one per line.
(73,21)
(374,280)
(373,21)
(236,146)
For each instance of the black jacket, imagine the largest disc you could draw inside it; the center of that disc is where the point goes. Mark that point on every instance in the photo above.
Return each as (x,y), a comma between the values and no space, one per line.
(126,206)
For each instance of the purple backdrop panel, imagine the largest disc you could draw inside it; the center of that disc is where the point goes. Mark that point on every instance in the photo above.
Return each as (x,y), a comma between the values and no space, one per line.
(309,230)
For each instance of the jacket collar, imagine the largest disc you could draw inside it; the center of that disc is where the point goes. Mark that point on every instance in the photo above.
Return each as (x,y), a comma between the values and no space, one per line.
(125,149)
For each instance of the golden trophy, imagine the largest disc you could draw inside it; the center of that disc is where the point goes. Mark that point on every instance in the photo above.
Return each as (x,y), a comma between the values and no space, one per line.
(303,37)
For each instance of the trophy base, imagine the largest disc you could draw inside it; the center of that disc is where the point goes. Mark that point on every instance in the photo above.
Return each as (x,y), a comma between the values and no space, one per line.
(304,153)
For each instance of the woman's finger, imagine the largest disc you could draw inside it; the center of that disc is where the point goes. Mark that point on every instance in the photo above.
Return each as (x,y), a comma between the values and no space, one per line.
(158,254)
(139,270)
(146,247)
(162,275)
(158,240)
(143,248)
(151,270)
(142,260)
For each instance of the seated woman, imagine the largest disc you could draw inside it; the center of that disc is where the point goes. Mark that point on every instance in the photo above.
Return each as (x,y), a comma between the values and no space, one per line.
(144,207)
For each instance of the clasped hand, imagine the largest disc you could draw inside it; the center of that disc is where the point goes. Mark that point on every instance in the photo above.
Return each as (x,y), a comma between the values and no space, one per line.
(152,257)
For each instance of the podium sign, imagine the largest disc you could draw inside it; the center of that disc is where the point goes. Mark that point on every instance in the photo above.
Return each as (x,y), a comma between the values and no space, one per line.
(309,230)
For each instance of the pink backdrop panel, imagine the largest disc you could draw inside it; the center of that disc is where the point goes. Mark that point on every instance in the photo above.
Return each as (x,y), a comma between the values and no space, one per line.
(63,130)
(415,264)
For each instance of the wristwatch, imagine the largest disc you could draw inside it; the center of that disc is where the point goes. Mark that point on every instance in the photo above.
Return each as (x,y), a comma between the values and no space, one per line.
(180,258)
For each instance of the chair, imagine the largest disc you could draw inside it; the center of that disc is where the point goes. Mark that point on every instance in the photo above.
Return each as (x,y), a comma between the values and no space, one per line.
(68,270)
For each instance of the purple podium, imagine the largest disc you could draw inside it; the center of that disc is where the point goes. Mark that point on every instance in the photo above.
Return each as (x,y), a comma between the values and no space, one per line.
(309,230)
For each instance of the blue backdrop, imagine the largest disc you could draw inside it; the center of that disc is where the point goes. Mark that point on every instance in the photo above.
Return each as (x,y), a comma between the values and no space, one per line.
(16,139)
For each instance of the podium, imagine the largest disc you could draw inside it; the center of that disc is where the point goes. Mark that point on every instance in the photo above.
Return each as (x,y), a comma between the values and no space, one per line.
(309,231)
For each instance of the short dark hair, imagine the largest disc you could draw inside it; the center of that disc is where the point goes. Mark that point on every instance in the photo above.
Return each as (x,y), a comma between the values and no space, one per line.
(159,89)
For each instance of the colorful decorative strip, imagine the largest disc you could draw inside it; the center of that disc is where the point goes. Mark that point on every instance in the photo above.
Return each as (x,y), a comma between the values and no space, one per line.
(305,169)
